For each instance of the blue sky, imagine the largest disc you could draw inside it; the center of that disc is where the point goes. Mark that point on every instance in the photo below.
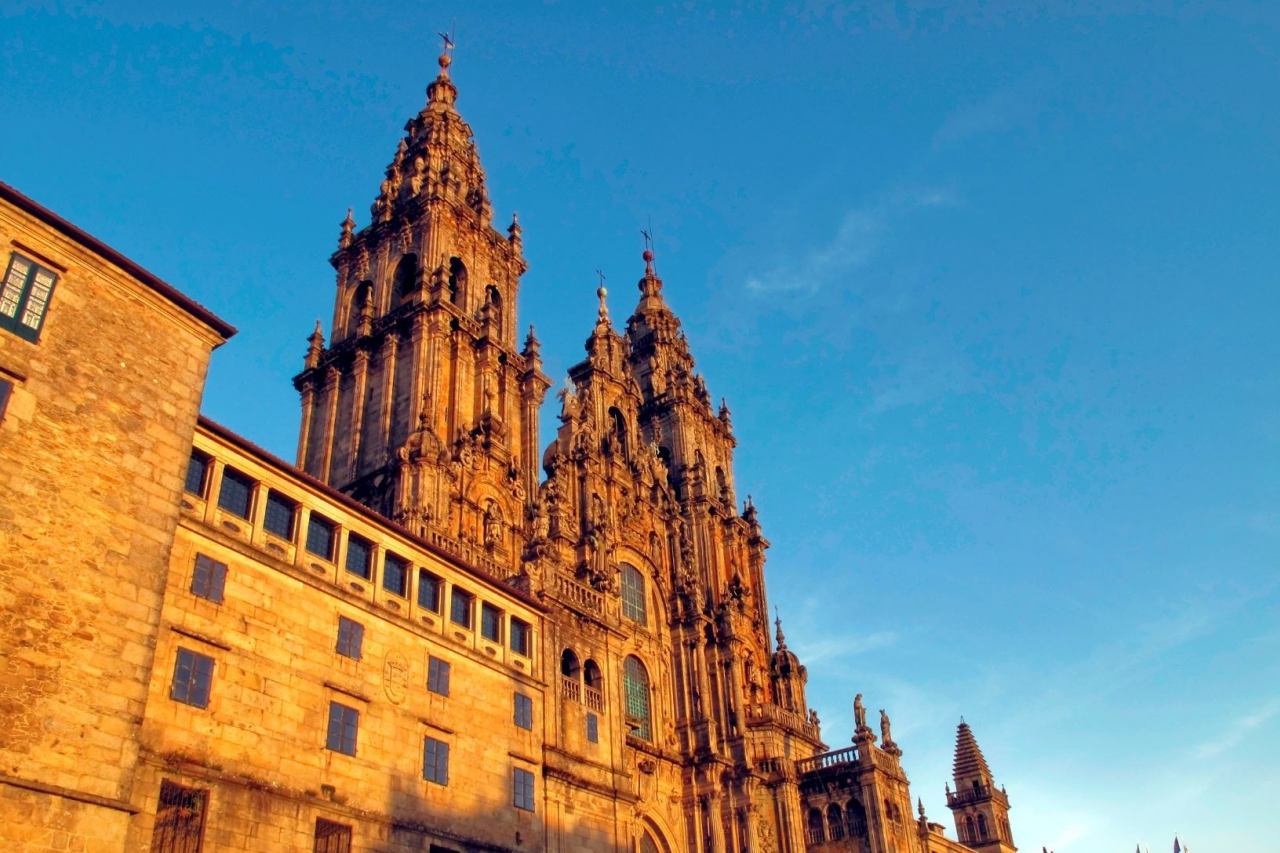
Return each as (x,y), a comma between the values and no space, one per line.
(991,291)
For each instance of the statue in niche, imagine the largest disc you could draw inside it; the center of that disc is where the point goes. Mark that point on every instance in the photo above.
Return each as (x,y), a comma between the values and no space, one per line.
(492,526)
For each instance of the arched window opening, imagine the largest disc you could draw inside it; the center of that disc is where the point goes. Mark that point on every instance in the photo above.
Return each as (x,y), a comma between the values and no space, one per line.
(635,683)
(982,826)
(855,817)
(405,280)
(570,675)
(617,433)
(633,598)
(593,685)
(361,303)
(835,821)
(647,844)
(816,833)
(968,823)
(457,281)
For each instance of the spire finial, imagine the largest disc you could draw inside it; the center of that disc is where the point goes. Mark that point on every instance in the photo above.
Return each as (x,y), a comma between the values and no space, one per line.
(602,315)
(348,229)
(782,641)
(446,52)
(648,250)
(920,808)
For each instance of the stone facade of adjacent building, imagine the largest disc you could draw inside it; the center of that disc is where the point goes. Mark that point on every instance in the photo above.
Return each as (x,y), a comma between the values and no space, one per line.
(431,632)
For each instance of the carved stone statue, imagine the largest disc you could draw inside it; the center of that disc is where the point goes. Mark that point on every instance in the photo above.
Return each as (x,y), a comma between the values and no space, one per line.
(492,526)
(885,736)
(859,713)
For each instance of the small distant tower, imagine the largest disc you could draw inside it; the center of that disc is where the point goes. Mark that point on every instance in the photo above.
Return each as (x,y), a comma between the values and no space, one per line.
(981,810)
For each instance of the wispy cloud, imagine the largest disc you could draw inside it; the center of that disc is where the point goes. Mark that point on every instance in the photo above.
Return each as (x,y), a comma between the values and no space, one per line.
(839,646)
(1239,730)
(857,239)
(999,112)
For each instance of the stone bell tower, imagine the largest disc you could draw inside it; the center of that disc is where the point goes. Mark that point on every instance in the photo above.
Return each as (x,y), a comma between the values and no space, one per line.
(422,406)
(981,810)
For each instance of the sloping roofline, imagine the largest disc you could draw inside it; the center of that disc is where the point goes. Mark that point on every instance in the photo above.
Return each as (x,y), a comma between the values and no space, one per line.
(151,280)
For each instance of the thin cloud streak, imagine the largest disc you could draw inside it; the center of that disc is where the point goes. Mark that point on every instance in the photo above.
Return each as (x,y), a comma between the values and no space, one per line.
(1239,730)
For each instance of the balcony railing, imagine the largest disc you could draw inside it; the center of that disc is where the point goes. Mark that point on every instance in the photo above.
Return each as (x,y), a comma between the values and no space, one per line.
(593,698)
(976,794)
(579,597)
(848,755)
(761,714)
(571,688)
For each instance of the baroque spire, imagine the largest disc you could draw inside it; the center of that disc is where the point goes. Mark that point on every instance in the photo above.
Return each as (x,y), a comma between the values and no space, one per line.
(969,760)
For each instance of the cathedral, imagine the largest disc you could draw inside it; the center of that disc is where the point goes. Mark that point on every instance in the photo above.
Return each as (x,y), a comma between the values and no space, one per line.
(431,631)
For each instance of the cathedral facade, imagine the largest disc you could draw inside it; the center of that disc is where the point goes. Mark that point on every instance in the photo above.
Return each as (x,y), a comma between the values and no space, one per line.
(431,632)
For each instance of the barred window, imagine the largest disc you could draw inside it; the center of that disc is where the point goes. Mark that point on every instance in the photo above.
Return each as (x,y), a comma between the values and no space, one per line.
(635,682)
(490,622)
(522,789)
(520,632)
(236,492)
(350,637)
(179,819)
(633,604)
(24,296)
(209,578)
(332,837)
(395,574)
(192,677)
(430,589)
(320,536)
(344,723)
(523,711)
(359,556)
(279,515)
(198,472)
(435,761)
(438,676)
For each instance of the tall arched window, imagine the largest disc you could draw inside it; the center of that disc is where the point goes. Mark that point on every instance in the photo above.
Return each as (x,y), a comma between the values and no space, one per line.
(493,299)
(647,844)
(855,818)
(816,833)
(968,822)
(457,281)
(360,300)
(982,826)
(405,280)
(618,432)
(633,601)
(635,682)
(570,676)
(835,821)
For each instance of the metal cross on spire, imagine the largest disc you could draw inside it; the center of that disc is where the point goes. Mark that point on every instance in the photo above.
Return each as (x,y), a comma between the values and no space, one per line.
(447,38)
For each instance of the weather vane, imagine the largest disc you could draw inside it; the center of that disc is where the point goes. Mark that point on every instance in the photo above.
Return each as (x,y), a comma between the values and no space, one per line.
(648,238)
(447,38)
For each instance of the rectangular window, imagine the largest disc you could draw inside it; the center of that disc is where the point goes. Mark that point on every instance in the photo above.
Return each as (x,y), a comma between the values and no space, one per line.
(332,837)
(523,711)
(429,590)
(520,632)
(522,789)
(198,472)
(192,676)
(320,537)
(179,819)
(209,578)
(24,296)
(435,761)
(438,676)
(490,622)
(359,555)
(593,728)
(344,722)
(350,637)
(236,492)
(278,518)
(460,607)
(395,574)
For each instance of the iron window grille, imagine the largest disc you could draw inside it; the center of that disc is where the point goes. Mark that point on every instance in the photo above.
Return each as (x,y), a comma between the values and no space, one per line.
(179,819)
(332,837)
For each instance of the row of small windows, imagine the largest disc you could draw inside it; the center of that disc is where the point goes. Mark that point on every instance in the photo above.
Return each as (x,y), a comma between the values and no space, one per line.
(208,581)
(235,495)
(850,821)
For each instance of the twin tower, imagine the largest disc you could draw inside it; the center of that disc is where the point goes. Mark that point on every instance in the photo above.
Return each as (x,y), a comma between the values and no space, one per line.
(424,407)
